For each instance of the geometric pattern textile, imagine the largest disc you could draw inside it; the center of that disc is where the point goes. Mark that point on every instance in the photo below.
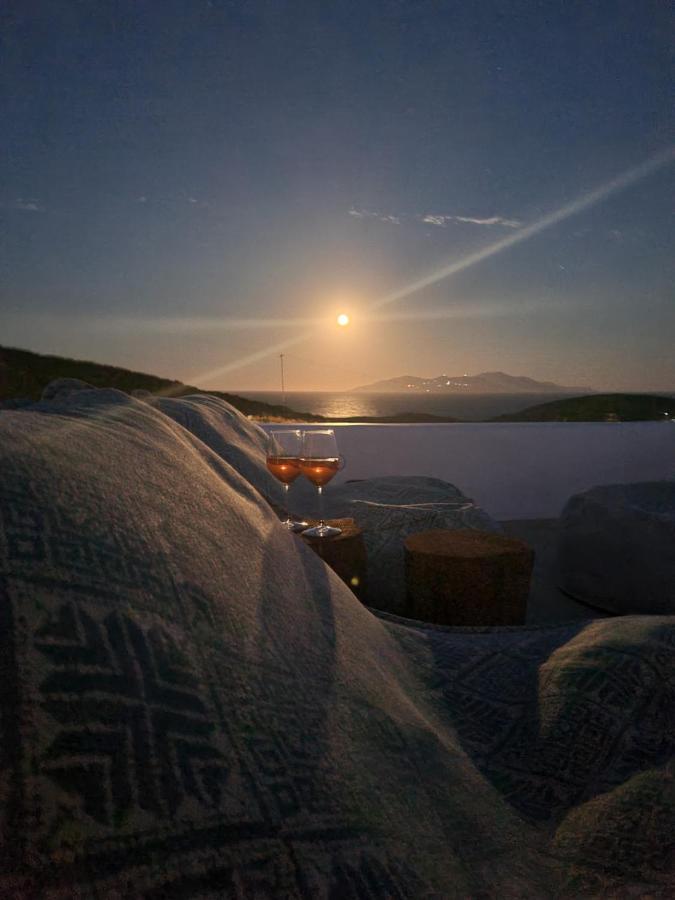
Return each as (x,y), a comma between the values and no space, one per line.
(193,705)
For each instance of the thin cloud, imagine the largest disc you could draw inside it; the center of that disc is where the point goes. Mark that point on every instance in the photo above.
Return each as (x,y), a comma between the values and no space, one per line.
(26,204)
(444,221)
(493,220)
(145,200)
(369,214)
(440,221)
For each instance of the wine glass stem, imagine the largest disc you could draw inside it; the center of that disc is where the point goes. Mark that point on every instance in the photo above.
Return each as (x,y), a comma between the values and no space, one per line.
(322,524)
(287,511)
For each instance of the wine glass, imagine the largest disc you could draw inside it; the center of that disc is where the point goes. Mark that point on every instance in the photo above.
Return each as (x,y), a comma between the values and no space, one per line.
(320,461)
(283,461)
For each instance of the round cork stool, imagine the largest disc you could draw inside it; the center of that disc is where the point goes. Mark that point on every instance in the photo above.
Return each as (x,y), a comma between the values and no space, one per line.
(345,553)
(467,577)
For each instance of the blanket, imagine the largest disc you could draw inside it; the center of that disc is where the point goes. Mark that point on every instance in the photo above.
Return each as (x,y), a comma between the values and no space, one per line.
(192,704)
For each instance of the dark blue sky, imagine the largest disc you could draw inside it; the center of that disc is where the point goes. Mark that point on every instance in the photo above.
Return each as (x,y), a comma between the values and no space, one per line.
(181,178)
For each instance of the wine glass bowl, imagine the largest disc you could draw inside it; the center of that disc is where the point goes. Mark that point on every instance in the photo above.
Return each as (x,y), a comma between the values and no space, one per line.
(319,471)
(284,452)
(319,463)
(284,469)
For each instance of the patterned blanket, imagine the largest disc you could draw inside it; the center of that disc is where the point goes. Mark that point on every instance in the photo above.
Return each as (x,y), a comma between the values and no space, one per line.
(193,705)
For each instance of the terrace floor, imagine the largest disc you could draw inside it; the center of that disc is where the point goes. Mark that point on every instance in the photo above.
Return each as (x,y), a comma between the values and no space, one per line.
(547,605)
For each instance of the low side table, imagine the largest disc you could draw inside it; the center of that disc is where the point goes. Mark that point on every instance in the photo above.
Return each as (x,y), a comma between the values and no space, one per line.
(467,577)
(345,553)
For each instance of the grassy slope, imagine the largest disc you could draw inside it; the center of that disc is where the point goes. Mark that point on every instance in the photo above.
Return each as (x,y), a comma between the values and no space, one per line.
(597,408)
(25,374)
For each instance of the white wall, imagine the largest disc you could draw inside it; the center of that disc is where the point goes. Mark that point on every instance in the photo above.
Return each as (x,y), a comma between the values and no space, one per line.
(512,470)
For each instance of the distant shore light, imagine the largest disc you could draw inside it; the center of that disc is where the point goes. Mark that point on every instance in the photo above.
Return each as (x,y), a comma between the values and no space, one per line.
(343,319)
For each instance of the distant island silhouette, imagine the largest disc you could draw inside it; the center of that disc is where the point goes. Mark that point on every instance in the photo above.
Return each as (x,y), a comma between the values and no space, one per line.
(24,375)
(483,383)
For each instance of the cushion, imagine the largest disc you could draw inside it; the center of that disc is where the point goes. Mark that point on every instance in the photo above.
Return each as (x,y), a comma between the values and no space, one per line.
(192,704)
(60,388)
(617,547)
(229,434)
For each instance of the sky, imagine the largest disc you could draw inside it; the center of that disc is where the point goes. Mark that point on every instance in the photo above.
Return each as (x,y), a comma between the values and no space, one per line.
(191,188)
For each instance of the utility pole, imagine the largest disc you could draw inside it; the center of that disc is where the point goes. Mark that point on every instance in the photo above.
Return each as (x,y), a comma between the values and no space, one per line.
(283,389)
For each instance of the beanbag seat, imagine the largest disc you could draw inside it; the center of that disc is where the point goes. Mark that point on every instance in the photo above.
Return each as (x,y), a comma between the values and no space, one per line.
(617,547)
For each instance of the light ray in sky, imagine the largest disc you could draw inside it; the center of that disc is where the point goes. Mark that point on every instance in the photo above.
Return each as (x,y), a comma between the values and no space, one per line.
(196,324)
(252,357)
(622,181)
(165,324)
(474,310)
(316,325)
(579,205)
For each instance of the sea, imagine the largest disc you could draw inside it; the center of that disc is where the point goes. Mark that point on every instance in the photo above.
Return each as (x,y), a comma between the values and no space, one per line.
(468,407)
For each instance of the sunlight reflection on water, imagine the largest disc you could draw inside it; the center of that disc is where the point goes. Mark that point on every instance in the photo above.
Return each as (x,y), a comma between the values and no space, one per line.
(474,407)
(344,406)
(332,406)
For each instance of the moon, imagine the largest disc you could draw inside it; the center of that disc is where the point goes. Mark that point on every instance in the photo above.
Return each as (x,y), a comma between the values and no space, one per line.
(343,319)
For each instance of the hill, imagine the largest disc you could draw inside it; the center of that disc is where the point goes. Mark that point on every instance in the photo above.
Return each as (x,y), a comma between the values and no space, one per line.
(598,408)
(24,374)
(483,383)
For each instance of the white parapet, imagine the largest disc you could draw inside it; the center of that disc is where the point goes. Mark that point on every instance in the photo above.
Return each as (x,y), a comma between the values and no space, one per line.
(513,470)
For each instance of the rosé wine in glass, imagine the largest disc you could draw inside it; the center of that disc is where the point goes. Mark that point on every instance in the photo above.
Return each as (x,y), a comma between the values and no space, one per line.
(320,471)
(283,461)
(320,461)
(284,468)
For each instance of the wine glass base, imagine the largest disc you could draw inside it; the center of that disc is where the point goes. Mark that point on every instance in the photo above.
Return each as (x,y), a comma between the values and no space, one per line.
(322,531)
(295,524)
(299,525)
